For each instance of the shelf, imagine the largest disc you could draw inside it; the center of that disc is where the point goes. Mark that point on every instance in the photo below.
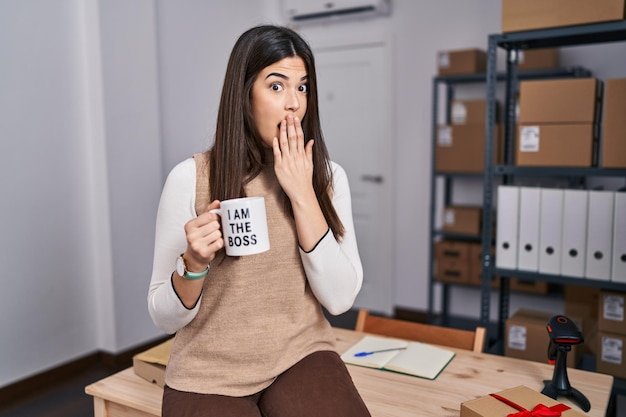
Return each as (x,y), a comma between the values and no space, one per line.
(450,82)
(526,171)
(560,279)
(459,174)
(561,72)
(457,236)
(565,36)
(543,38)
(494,174)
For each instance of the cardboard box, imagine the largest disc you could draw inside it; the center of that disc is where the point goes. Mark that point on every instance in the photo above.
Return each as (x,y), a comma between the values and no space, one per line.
(558,101)
(452,250)
(461,148)
(462,219)
(450,271)
(610,358)
(527,338)
(464,61)
(522,396)
(561,145)
(614,124)
(539,14)
(611,317)
(150,364)
(536,59)
(528,286)
(519,285)
(452,261)
(470,112)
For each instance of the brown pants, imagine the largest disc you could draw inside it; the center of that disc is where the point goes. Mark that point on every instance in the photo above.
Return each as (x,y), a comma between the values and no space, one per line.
(318,385)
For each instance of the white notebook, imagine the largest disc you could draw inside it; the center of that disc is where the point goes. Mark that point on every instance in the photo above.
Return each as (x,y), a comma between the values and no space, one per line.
(411,358)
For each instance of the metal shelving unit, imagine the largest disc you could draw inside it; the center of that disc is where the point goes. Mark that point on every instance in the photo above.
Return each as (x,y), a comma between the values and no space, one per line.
(450,83)
(511,43)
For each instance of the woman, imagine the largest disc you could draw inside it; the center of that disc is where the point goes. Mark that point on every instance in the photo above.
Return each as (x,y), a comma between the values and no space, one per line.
(251,338)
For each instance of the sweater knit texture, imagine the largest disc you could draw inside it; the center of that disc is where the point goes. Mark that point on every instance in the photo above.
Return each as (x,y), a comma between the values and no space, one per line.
(257,315)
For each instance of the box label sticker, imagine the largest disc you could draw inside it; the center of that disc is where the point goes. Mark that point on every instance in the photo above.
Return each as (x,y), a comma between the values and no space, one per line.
(459,113)
(444,138)
(444,60)
(448,216)
(529,139)
(517,337)
(611,350)
(613,307)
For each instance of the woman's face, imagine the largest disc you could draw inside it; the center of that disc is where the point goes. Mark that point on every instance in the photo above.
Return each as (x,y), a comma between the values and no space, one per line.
(279,90)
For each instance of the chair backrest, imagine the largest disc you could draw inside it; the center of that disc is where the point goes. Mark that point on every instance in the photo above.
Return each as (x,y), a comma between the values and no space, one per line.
(427,333)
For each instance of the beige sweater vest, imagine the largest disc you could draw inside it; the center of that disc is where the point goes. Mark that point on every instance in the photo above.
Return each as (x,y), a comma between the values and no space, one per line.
(257,316)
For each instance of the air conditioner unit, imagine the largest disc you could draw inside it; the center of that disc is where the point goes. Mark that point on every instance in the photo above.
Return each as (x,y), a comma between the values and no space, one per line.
(304,11)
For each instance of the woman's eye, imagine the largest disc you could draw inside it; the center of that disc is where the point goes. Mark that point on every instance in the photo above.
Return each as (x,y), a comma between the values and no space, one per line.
(304,88)
(276,87)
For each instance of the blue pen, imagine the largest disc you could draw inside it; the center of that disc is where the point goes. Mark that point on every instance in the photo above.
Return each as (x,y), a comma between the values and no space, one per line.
(377,351)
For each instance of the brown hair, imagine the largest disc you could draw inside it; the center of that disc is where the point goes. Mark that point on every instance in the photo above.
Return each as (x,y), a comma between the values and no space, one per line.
(237,155)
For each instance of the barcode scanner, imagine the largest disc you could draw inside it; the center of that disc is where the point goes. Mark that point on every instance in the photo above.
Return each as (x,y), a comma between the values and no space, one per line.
(563,334)
(562,331)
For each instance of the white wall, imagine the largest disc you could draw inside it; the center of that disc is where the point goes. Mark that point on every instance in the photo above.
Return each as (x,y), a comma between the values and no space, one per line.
(45,238)
(195,40)
(133,157)
(81,172)
(100,98)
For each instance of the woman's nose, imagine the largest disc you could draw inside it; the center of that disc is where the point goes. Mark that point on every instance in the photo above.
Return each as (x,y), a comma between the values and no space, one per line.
(293,102)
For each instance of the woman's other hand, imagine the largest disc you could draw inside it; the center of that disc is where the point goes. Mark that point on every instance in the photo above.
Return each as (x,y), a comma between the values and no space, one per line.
(293,164)
(293,161)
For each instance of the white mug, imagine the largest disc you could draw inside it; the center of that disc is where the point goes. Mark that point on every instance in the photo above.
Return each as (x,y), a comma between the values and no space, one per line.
(244,226)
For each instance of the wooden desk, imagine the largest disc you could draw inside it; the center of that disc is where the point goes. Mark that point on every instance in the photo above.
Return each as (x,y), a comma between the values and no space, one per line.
(387,394)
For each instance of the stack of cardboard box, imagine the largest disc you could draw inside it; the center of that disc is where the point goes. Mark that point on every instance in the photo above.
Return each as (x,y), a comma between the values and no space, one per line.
(452,262)
(611,339)
(461,144)
(551,111)
(460,262)
(557,122)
